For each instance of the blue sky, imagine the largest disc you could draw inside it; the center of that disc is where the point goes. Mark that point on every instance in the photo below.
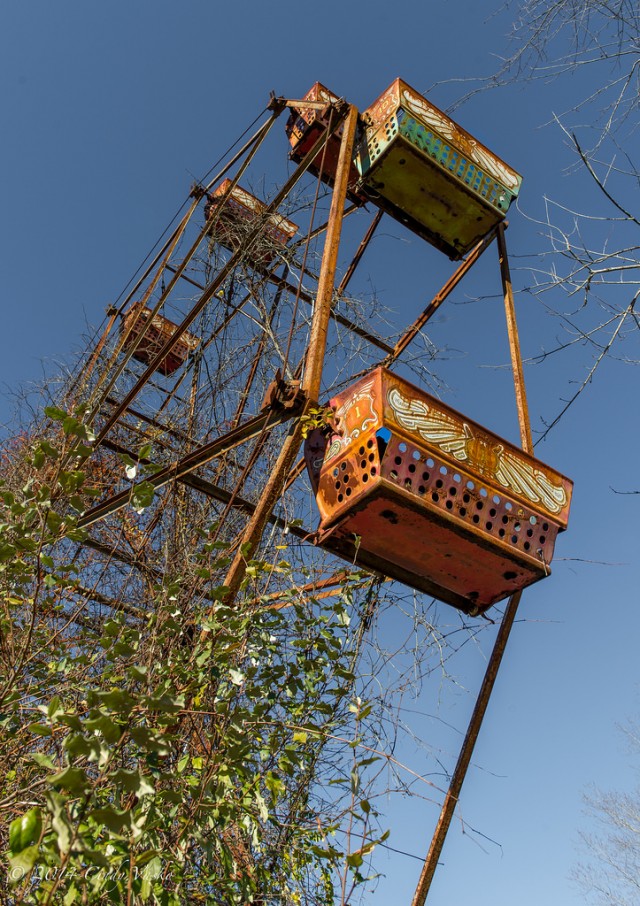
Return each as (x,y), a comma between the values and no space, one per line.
(108,112)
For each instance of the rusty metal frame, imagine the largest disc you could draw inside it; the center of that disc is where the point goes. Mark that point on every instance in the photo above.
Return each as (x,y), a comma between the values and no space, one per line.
(262,512)
(250,148)
(189,463)
(214,491)
(414,329)
(314,363)
(484,695)
(308,297)
(464,758)
(220,277)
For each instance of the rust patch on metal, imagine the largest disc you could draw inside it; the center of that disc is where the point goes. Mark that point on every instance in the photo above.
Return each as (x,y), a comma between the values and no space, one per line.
(306,124)
(157,330)
(238,212)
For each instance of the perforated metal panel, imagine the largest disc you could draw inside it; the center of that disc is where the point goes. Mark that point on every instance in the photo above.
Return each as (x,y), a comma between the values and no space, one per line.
(409,487)
(423,169)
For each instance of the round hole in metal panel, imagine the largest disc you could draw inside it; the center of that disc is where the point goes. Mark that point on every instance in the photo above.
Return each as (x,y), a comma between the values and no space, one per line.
(425,476)
(363,464)
(422,489)
(449,504)
(533,520)
(514,539)
(526,545)
(343,466)
(483,492)
(542,539)
(475,518)
(479,505)
(439,483)
(466,498)
(340,498)
(453,491)
(463,511)
(402,447)
(393,474)
(489,526)
(372,456)
(435,497)
(505,519)
(338,485)
(470,485)
(365,478)
(545,526)
(412,468)
(495,498)
(457,478)
(508,505)
(373,470)
(492,511)
(336,472)
(398,460)
(369,443)
(443,470)
(361,451)
(502,533)
(416,454)
(517,526)
(430,463)
(348,492)
(529,533)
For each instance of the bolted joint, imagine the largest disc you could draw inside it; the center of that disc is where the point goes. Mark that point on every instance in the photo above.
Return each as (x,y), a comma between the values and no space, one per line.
(283,395)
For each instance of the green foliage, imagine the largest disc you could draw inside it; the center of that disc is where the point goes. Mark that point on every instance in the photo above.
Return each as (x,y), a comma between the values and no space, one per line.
(172,758)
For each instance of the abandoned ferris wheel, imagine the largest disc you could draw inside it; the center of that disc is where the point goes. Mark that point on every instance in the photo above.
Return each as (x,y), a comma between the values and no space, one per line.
(207,377)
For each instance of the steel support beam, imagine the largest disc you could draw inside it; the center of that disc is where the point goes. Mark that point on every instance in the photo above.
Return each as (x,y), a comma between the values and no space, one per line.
(314,363)
(410,334)
(466,752)
(218,280)
(514,345)
(189,463)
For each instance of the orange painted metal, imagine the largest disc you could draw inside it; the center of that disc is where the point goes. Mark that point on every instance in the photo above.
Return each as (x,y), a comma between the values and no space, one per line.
(412,489)
(239,211)
(305,125)
(156,333)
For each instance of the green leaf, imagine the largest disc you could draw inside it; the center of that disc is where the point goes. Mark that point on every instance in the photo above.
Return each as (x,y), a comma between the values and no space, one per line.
(44,761)
(54,413)
(22,864)
(40,729)
(134,782)
(59,820)
(25,830)
(72,779)
(142,496)
(54,708)
(236,676)
(112,818)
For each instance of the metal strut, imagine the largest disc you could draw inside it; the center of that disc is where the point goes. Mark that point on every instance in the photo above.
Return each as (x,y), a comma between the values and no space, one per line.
(484,695)
(313,366)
